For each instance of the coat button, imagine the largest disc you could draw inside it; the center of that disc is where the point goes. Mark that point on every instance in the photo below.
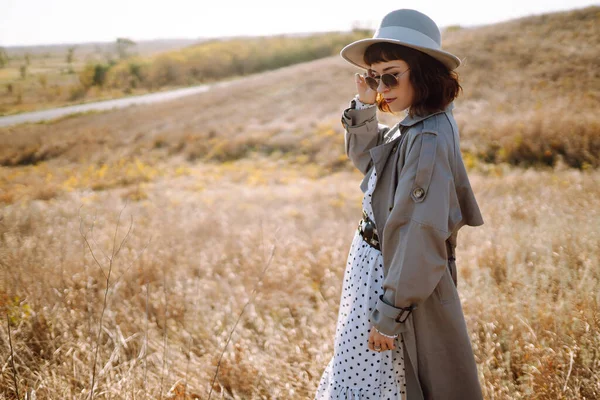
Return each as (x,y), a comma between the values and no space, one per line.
(418,192)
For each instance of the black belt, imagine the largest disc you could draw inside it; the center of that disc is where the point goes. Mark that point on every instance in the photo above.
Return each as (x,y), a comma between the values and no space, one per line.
(367,230)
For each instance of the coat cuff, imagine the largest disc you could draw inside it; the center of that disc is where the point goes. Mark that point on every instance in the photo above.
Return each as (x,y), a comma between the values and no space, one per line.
(383,317)
(359,105)
(353,118)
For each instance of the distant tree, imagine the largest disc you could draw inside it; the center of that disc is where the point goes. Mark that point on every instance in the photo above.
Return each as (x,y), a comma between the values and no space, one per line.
(3,57)
(27,59)
(70,55)
(23,71)
(123,45)
(70,58)
(93,75)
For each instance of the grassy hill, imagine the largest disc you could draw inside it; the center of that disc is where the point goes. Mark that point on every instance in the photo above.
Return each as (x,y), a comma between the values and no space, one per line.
(40,77)
(531,94)
(531,88)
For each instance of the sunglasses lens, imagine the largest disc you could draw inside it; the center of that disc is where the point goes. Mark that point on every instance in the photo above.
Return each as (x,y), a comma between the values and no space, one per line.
(372,82)
(389,80)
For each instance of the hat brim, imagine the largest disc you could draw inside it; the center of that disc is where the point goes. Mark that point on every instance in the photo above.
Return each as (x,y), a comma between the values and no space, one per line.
(354,52)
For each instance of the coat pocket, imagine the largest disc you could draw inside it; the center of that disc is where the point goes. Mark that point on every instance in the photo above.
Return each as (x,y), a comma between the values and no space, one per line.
(445,291)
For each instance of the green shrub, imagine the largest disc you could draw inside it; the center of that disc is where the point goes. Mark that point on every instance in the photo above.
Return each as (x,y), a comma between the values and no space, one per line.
(93,75)
(128,74)
(219,59)
(167,69)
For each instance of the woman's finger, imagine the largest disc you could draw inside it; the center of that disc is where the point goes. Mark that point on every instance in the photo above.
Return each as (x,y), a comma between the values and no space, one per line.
(360,80)
(391,343)
(384,345)
(377,341)
(374,346)
(374,341)
(378,346)
(388,344)
(370,340)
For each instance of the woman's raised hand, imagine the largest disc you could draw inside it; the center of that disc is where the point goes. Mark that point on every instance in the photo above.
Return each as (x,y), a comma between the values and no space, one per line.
(365,93)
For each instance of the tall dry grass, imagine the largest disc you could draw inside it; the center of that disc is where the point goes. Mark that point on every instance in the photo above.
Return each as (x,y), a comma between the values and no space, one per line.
(532,88)
(215,182)
(198,245)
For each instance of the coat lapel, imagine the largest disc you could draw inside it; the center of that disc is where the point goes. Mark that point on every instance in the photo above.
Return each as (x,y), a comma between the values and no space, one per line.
(380,154)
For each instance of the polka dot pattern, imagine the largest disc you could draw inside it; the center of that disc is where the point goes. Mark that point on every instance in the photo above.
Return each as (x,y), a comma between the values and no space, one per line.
(355,372)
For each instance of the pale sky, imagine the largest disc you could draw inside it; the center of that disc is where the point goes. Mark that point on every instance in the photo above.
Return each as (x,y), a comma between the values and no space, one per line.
(28,22)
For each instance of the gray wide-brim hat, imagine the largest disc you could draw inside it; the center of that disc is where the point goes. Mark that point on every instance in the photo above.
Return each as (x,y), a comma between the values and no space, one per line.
(408,28)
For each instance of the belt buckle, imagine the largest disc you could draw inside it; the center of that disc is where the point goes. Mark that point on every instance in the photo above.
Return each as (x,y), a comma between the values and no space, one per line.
(369,235)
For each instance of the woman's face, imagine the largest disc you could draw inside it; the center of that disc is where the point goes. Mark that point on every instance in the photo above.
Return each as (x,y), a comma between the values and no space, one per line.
(400,97)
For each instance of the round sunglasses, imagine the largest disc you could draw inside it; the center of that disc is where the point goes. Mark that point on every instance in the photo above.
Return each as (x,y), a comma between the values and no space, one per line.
(389,80)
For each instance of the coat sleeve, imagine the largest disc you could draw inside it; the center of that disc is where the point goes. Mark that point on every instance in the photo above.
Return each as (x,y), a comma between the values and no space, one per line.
(363,132)
(414,237)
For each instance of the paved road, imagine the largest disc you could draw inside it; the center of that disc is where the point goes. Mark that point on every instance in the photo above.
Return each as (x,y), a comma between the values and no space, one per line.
(44,115)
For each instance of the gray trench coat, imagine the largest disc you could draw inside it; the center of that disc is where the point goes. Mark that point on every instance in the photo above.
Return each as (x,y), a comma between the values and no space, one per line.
(421,199)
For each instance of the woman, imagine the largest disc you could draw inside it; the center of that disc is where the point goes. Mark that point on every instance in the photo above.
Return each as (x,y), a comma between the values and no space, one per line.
(401,333)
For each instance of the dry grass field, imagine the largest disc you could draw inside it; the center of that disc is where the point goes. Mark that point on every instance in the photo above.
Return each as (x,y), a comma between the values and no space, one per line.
(52,76)
(134,242)
(50,81)
(197,250)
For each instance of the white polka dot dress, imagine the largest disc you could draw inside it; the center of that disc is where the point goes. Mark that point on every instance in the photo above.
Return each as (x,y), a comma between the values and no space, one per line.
(355,372)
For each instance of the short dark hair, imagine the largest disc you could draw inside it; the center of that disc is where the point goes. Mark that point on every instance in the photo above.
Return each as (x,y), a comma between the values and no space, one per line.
(434,84)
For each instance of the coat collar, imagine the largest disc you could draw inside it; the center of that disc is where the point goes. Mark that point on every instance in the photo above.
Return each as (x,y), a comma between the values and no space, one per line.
(410,121)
